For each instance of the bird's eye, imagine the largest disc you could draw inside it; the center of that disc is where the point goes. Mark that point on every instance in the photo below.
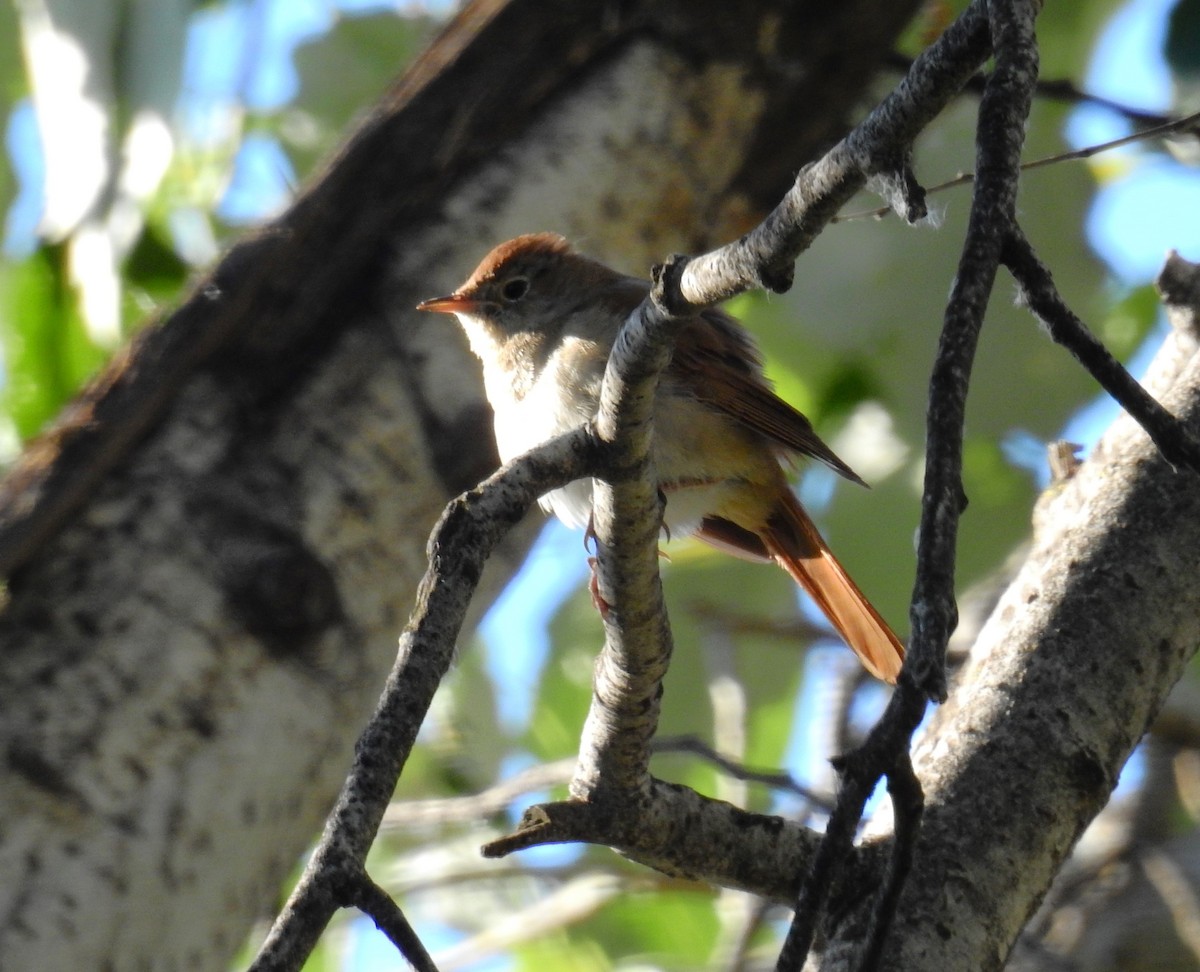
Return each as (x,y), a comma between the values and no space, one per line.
(515,289)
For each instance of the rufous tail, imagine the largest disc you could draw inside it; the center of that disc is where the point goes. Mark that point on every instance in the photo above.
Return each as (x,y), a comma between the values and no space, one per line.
(794,543)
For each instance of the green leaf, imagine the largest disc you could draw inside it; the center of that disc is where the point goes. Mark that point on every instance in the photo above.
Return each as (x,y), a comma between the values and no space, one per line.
(670,929)
(1182,45)
(343,71)
(47,351)
(1129,320)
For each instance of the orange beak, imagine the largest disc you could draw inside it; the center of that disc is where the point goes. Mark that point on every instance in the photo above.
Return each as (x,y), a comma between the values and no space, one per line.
(448,304)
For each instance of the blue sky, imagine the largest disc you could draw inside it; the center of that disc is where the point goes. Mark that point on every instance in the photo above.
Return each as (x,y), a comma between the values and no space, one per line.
(1128,68)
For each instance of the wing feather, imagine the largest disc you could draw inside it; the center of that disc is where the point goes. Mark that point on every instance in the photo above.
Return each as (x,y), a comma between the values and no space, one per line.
(717,359)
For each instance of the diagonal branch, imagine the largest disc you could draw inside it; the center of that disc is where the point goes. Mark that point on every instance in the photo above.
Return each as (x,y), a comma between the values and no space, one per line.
(776,779)
(369,898)
(1041,296)
(765,258)
(461,542)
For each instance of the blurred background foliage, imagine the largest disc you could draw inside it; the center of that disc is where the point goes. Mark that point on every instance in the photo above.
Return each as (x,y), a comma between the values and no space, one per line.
(142,137)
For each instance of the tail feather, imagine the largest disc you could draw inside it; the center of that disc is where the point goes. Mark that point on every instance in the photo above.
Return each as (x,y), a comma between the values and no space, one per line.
(793,542)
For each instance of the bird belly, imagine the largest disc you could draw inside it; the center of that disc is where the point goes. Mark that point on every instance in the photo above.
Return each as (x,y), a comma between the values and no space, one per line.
(542,413)
(709,465)
(706,463)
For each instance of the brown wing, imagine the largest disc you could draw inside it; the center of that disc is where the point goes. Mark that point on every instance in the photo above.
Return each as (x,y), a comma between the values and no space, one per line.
(719,361)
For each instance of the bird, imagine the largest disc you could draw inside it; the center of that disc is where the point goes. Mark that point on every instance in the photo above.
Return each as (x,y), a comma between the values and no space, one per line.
(542,319)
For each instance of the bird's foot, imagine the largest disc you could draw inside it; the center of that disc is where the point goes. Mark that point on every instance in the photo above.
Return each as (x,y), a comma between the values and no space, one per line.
(598,601)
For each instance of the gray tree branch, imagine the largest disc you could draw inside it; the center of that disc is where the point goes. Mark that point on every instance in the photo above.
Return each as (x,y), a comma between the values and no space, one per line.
(468,532)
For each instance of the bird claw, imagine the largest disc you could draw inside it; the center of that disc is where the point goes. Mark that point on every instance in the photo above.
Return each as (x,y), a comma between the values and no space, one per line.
(598,601)
(591,543)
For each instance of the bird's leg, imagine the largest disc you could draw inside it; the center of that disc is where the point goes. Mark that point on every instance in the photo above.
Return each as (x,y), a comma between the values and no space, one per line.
(591,543)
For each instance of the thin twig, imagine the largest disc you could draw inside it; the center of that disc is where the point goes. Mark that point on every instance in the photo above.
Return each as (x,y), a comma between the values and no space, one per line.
(573,902)
(908,803)
(776,779)
(414,814)
(1074,155)
(1178,896)
(789,630)
(369,898)
(1064,89)
(739,954)
(1058,89)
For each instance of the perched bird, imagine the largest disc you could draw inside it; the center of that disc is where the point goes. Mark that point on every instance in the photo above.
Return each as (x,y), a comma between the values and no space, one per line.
(542,319)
